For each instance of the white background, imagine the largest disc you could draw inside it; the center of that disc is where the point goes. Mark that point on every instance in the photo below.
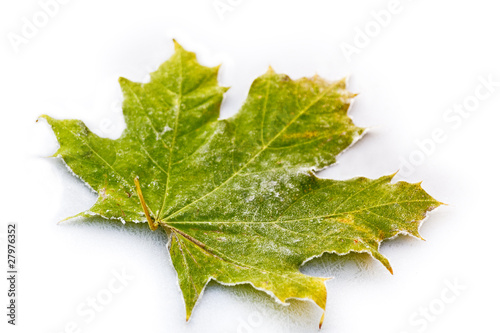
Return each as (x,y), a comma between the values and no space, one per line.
(429,57)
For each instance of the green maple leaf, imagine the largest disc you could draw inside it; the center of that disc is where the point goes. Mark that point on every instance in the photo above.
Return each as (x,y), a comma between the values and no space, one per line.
(239,197)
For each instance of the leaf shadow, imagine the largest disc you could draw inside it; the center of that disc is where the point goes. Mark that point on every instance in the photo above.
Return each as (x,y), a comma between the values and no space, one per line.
(140,231)
(351,266)
(297,313)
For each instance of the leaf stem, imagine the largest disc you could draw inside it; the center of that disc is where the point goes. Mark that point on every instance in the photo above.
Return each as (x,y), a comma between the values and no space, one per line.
(153,225)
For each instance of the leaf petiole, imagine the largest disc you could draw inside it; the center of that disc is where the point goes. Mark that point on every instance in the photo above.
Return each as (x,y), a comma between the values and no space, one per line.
(153,225)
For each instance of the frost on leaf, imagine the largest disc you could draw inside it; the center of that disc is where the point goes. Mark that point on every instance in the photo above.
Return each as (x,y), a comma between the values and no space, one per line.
(239,197)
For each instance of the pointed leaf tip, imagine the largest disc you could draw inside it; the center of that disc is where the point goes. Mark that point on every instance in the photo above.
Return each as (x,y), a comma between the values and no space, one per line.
(44,116)
(177,46)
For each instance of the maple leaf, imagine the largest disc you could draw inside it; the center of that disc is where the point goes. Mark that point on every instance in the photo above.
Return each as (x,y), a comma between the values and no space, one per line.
(238,197)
